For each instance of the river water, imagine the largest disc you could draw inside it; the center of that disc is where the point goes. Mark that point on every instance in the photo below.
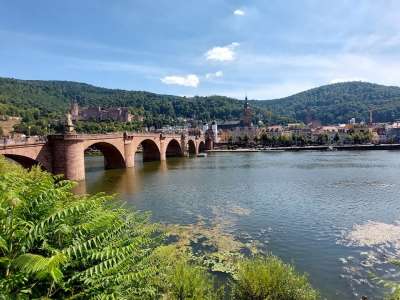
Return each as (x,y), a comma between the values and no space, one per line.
(332,214)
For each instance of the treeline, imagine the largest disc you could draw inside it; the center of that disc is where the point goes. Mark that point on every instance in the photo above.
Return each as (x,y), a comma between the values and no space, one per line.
(268,140)
(338,103)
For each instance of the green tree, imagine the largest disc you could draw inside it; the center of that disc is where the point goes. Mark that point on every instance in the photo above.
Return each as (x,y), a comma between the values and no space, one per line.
(322,139)
(336,138)
(284,140)
(274,140)
(256,140)
(245,140)
(265,140)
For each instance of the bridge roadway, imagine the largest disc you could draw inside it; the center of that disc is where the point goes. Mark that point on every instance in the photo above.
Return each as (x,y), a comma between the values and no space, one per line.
(65,153)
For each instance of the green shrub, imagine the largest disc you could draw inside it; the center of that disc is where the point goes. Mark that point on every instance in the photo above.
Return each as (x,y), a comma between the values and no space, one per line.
(189,282)
(395,295)
(269,278)
(388,284)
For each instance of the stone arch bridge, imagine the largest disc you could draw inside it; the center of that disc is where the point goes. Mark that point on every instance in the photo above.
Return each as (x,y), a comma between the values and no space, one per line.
(64,154)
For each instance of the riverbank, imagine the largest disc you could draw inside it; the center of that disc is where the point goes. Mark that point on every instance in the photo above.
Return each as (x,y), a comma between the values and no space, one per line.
(234,150)
(314,148)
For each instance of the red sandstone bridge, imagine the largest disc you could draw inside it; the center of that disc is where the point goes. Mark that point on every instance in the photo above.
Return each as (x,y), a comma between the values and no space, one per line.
(64,154)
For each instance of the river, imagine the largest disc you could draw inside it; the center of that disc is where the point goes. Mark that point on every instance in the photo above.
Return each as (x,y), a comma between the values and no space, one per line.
(332,214)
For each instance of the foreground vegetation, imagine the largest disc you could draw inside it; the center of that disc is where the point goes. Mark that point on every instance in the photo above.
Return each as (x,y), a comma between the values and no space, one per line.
(56,245)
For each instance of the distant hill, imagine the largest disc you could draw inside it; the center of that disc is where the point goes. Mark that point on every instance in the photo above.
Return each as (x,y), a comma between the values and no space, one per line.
(337,103)
(42,102)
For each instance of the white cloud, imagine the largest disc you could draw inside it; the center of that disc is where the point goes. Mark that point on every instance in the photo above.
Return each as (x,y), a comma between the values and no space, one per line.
(239,12)
(188,80)
(226,53)
(214,75)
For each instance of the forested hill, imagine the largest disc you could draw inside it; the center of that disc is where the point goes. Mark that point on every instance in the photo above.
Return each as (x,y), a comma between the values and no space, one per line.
(55,96)
(337,103)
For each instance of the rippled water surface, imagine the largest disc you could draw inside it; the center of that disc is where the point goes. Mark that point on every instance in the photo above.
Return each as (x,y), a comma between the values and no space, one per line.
(300,206)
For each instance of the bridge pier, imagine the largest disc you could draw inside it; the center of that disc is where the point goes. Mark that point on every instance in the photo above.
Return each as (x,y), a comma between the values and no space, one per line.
(68,158)
(74,161)
(209,144)
(130,151)
(163,156)
(198,145)
(163,150)
(184,146)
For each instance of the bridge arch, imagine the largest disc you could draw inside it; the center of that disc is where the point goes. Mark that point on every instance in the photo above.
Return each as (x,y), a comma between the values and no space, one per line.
(25,161)
(192,147)
(173,149)
(202,147)
(113,158)
(151,151)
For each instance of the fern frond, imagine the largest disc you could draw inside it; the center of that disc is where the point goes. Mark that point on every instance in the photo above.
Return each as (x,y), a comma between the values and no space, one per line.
(41,266)
(96,241)
(109,252)
(3,244)
(79,208)
(98,219)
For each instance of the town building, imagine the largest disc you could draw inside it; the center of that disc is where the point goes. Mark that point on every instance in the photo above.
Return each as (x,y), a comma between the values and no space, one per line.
(240,130)
(379,134)
(393,132)
(275,130)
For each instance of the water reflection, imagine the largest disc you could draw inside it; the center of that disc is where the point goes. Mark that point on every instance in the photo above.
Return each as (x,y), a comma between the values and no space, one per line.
(124,181)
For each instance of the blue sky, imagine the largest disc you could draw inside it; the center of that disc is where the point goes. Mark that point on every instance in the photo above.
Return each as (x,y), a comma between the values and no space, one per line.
(265,48)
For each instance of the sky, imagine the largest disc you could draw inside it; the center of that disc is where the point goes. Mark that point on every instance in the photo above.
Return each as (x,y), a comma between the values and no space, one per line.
(263,48)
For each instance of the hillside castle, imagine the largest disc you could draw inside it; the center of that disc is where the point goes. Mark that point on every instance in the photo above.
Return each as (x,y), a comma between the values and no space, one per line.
(96,113)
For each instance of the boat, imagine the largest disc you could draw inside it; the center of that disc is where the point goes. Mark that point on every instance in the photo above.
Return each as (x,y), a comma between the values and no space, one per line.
(202,155)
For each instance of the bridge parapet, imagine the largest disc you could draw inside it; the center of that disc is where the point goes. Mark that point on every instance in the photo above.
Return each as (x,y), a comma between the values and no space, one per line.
(120,135)
(85,137)
(5,142)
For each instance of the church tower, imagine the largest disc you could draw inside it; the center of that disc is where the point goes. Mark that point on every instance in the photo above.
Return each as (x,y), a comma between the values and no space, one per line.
(247,115)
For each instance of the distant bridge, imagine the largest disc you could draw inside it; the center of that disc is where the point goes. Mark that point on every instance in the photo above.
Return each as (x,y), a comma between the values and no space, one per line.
(64,154)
